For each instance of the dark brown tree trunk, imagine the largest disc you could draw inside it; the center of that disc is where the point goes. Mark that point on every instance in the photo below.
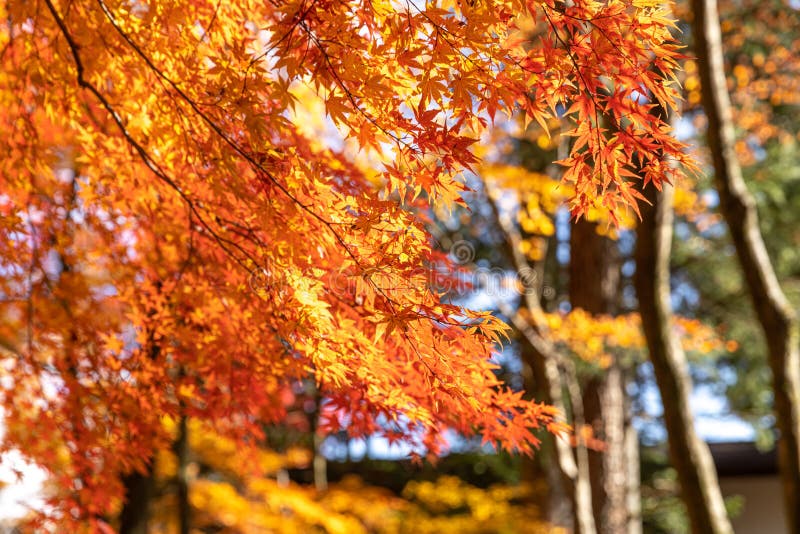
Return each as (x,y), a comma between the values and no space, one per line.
(135,512)
(593,269)
(690,455)
(182,452)
(778,319)
(139,487)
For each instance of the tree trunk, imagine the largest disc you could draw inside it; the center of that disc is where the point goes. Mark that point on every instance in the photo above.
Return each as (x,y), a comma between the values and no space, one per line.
(633,507)
(320,463)
(545,462)
(552,378)
(573,466)
(182,453)
(613,472)
(690,455)
(593,269)
(778,319)
(135,514)
(139,487)
(594,286)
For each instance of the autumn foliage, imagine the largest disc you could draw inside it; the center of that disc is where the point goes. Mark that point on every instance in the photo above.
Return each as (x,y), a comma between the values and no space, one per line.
(243,494)
(175,240)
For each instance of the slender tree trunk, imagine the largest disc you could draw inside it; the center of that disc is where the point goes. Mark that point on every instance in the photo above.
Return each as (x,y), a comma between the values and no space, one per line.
(593,286)
(690,455)
(319,463)
(553,378)
(778,319)
(573,466)
(139,487)
(182,452)
(546,461)
(633,507)
(135,514)
(595,411)
(615,486)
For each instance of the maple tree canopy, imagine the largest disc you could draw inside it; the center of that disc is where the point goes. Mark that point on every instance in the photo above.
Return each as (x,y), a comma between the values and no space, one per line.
(177,239)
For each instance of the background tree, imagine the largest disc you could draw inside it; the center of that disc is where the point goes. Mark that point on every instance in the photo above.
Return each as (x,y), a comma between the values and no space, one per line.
(777,317)
(690,456)
(523,205)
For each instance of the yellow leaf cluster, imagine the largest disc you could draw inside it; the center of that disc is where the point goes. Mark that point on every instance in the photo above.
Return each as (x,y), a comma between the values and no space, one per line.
(597,338)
